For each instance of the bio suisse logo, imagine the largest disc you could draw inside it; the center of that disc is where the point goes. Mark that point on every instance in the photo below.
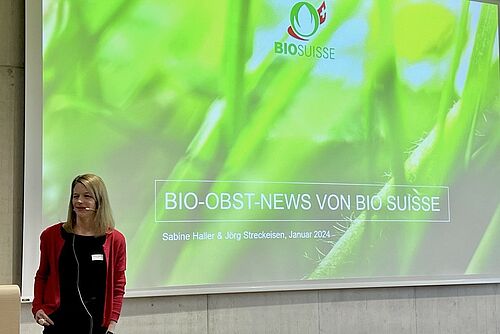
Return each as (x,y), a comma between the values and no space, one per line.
(305,22)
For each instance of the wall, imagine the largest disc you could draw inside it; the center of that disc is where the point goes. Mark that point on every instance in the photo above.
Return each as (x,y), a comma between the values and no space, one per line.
(11,137)
(422,310)
(449,309)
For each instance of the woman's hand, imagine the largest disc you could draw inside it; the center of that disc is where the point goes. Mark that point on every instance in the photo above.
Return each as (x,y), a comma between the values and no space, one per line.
(112,326)
(42,318)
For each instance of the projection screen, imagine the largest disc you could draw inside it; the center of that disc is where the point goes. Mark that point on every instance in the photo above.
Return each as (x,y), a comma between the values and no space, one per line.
(272,144)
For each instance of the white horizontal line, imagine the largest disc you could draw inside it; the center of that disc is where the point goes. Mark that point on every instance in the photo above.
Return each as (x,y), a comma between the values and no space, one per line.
(296,220)
(306,183)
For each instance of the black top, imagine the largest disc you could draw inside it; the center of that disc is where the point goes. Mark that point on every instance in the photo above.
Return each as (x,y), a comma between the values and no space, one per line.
(82,274)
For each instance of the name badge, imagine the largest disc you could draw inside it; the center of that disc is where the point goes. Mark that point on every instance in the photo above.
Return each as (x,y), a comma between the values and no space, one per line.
(97,257)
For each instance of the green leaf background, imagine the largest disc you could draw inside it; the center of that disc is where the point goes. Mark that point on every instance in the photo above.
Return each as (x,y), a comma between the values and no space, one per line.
(142,90)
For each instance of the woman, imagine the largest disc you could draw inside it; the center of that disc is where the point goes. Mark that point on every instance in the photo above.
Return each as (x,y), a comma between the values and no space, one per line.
(80,281)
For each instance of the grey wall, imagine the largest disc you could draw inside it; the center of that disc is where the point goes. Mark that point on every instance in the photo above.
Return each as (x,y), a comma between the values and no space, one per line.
(425,310)
(11,136)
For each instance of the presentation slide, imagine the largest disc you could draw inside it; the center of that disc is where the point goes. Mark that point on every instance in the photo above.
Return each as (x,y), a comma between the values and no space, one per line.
(272,144)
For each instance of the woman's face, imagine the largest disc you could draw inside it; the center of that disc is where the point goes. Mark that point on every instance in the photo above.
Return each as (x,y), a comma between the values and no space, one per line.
(84,203)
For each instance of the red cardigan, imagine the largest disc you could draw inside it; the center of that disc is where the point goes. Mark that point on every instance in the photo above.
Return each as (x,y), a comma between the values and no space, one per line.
(47,276)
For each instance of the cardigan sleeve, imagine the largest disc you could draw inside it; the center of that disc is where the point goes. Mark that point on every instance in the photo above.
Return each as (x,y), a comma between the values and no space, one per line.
(42,275)
(119,280)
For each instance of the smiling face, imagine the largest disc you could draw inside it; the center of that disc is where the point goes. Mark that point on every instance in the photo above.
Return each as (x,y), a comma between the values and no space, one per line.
(84,203)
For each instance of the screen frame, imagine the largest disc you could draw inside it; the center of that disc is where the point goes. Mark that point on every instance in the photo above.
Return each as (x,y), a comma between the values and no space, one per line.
(33,194)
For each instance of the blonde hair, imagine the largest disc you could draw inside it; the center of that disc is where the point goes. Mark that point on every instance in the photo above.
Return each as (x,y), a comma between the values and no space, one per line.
(104,221)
